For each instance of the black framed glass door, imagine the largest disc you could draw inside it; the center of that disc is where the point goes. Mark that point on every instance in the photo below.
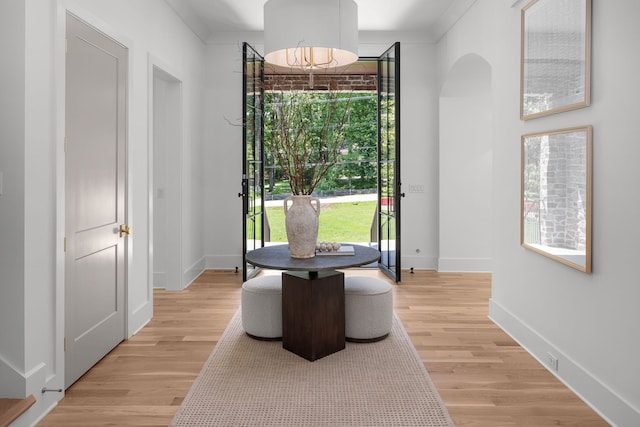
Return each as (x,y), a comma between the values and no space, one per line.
(252,151)
(389,185)
(389,191)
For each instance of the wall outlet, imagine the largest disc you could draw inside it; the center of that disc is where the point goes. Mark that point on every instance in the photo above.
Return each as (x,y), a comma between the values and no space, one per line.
(416,188)
(552,361)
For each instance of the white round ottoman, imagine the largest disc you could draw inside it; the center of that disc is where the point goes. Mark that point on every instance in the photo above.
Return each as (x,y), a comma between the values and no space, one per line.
(368,305)
(261,304)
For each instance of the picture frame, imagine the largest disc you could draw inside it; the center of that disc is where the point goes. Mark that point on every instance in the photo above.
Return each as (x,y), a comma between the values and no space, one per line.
(555,66)
(556,194)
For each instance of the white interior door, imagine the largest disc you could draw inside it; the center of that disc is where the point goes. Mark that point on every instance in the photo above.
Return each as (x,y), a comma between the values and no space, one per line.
(96,80)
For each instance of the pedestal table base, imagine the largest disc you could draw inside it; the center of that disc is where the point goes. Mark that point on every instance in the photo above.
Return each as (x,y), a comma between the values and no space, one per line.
(313,313)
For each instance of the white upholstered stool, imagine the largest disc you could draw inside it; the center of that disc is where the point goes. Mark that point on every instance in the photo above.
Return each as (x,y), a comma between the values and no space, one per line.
(261,303)
(368,305)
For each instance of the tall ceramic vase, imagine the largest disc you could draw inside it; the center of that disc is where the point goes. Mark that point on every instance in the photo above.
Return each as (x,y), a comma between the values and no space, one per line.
(301,223)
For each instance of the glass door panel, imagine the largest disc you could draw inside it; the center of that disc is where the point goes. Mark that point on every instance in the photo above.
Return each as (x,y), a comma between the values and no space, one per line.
(252,168)
(389,161)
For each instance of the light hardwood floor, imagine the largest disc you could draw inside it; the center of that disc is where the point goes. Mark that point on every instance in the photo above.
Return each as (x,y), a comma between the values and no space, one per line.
(483,376)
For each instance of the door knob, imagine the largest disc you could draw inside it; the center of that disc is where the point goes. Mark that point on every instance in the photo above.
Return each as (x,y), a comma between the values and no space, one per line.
(124,229)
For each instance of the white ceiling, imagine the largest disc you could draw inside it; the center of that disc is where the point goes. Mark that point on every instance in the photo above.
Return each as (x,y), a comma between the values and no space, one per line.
(432,17)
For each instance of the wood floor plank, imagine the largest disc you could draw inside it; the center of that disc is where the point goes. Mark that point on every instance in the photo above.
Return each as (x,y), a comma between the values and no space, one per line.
(12,409)
(484,377)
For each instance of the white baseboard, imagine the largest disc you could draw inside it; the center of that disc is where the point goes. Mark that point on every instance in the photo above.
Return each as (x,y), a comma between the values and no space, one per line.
(15,385)
(41,416)
(223,262)
(613,408)
(12,382)
(418,263)
(192,273)
(469,265)
(139,318)
(159,280)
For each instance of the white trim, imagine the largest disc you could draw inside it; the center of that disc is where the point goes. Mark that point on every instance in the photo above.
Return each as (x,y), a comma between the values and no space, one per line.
(139,317)
(75,8)
(514,3)
(419,262)
(144,313)
(223,262)
(449,18)
(10,376)
(192,273)
(192,20)
(582,382)
(171,74)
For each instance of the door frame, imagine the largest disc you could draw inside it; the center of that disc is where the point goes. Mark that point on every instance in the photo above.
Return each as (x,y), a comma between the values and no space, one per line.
(156,67)
(395,272)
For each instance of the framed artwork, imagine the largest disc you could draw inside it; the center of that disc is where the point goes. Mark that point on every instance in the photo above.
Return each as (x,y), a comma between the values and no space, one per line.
(555,57)
(555,218)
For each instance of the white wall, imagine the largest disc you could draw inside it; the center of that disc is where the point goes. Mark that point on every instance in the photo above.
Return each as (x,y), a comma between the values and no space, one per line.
(32,163)
(465,167)
(12,199)
(223,152)
(223,135)
(43,346)
(419,151)
(590,322)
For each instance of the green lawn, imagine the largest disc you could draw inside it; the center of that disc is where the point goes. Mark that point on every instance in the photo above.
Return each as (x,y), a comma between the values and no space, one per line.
(339,222)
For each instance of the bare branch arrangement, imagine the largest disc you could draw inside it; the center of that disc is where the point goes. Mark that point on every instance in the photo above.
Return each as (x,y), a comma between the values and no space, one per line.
(305,132)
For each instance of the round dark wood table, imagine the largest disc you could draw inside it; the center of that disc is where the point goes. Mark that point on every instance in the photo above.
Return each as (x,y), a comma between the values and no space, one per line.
(313,322)
(278,257)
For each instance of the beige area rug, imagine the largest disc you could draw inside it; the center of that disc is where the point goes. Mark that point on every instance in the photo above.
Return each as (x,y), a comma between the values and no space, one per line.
(247,382)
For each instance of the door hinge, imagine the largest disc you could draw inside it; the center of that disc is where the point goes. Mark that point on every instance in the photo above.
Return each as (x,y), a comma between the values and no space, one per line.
(65,144)
(65,344)
(65,244)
